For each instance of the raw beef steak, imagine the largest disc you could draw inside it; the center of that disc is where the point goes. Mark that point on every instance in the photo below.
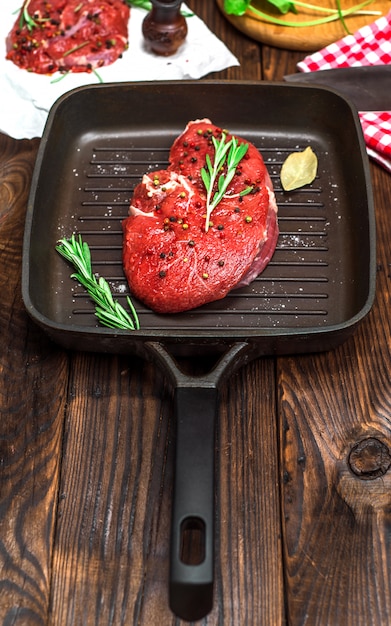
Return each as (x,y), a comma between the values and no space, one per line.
(68,35)
(173,259)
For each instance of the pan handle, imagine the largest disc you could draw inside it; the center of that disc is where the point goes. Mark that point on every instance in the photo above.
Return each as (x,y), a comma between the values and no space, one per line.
(192,526)
(192,529)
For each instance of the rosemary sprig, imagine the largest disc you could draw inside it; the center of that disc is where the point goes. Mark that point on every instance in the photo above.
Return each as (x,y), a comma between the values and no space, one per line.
(76,48)
(27,20)
(98,76)
(109,311)
(229,154)
(64,74)
(59,78)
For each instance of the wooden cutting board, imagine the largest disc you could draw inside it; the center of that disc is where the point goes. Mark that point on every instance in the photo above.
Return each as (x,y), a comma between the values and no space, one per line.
(304,37)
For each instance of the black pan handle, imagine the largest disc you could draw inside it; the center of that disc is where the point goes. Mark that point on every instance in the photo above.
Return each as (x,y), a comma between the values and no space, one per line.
(192,529)
(192,526)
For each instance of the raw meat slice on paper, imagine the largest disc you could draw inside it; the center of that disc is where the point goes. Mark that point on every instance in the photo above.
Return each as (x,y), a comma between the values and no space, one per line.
(68,35)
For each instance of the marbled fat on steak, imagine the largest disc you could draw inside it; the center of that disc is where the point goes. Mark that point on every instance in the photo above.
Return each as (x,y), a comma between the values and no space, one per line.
(68,35)
(171,260)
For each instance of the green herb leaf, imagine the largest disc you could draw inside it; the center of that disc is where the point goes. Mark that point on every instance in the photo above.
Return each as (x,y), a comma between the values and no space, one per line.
(246,191)
(299,169)
(284,6)
(236,7)
(205,177)
(109,311)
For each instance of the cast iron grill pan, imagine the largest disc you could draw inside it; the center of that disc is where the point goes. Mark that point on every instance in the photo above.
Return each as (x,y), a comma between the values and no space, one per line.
(97,144)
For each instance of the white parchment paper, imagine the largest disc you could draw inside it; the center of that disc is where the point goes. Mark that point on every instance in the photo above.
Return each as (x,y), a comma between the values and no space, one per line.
(26,98)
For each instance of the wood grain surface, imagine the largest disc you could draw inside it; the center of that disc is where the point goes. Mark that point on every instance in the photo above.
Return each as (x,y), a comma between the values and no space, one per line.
(335,435)
(33,387)
(87,452)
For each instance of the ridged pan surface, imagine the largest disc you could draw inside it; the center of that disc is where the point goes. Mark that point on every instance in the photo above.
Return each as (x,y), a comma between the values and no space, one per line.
(100,140)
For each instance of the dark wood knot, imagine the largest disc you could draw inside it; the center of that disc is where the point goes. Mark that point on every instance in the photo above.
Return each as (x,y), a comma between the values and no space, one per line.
(369,459)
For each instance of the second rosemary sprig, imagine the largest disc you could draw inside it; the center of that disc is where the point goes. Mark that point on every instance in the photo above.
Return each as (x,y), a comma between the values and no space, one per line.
(109,311)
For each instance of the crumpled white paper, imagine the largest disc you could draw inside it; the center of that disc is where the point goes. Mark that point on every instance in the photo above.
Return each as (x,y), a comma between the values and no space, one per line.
(26,98)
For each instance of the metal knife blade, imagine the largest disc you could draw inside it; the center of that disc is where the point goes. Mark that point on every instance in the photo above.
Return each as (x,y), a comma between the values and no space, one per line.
(367,87)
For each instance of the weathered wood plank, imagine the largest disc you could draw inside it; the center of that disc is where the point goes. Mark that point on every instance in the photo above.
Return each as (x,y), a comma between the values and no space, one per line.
(250,582)
(337,496)
(33,379)
(245,49)
(277,63)
(110,560)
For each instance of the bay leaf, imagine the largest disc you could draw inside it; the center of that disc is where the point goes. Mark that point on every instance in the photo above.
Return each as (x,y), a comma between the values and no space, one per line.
(299,169)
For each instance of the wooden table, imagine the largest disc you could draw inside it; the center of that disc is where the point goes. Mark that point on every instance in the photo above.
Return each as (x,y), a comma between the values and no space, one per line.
(86,456)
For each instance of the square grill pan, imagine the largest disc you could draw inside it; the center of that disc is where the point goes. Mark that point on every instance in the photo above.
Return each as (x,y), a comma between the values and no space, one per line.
(98,142)
(320,284)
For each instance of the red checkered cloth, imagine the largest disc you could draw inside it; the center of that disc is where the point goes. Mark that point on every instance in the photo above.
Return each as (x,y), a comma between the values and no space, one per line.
(370,45)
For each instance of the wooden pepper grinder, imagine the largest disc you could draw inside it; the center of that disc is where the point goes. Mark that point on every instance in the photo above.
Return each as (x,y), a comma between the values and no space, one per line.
(164,27)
